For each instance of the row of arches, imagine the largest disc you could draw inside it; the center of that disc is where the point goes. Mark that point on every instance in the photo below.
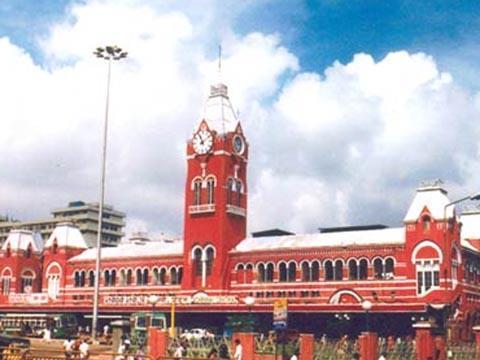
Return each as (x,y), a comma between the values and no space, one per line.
(127,277)
(314,270)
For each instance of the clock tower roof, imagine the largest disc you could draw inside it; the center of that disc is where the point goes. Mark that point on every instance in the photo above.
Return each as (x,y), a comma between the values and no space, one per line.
(219,113)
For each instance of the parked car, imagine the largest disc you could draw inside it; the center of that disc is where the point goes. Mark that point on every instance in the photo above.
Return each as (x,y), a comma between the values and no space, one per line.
(196,334)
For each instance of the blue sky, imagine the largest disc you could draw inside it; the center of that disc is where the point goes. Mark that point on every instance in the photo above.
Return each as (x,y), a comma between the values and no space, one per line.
(319,32)
(347,105)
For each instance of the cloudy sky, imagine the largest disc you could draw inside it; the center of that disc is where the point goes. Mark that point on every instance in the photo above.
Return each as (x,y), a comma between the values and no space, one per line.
(347,105)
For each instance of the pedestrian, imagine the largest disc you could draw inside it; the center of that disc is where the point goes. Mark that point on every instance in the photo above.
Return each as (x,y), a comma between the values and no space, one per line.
(382,357)
(238,350)
(223,353)
(84,349)
(213,354)
(179,350)
(68,348)
(47,335)
(294,355)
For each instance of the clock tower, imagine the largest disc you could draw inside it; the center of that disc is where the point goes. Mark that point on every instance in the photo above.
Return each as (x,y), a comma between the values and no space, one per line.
(215,193)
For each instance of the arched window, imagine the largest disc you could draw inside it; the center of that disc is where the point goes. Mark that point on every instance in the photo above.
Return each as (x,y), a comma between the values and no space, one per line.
(156,276)
(315,270)
(282,269)
(8,252)
(54,246)
(173,276)
(76,279)
(209,264)
(426,223)
(352,270)
(328,270)
(292,272)
(106,277)
(338,270)
(269,277)
(123,278)
(26,284)
(163,276)
(129,276)
(261,273)
(378,268)
(180,275)
(210,191)
(145,277)
(6,281)
(306,275)
(363,273)
(197,258)
(139,277)
(389,268)
(91,278)
(28,253)
(238,189)
(82,278)
(197,192)
(229,190)
(113,277)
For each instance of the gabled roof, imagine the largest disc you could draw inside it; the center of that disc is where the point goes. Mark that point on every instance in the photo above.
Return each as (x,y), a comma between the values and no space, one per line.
(67,235)
(380,237)
(20,239)
(434,198)
(137,249)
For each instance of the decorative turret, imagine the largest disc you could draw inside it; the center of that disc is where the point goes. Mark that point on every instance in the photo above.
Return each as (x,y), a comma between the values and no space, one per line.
(431,197)
(23,241)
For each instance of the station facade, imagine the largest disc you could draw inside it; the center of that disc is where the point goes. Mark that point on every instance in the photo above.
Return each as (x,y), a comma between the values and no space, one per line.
(429,268)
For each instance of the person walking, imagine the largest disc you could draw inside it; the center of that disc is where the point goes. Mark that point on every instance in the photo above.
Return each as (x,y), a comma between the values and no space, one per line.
(223,353)
(238,350)
(84,350)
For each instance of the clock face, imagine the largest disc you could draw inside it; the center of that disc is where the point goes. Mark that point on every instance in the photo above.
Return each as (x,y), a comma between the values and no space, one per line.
(202,142)
(238,144)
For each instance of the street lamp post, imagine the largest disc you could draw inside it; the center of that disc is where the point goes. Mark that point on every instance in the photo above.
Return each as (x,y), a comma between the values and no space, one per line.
(250,301)
(367,306)
(172,316)
(108,53)
(153,300)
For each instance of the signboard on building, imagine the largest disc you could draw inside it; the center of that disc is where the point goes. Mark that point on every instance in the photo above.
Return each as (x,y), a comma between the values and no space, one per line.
(28,299)
(280,314)
(197,299)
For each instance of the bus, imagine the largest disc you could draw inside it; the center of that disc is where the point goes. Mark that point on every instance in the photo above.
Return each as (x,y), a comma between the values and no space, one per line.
(61,325)
(141,321)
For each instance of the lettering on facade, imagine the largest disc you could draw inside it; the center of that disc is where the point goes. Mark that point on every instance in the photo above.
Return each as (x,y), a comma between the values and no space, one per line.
(28,299)
(197,299)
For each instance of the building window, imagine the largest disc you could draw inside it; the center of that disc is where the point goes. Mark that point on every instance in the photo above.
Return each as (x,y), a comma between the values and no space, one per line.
(282,269)
(269,274)
(306,275)
(106,277)
(197,258)
(428,275)
(338,270)
(145,277)
(197,192)
(26,284)
(352,270)
(328,270)
(113,277)
(139,277)
(209,264)
(261,276)
(6,280)
(173,276)
(28,253)
(363,270)
(163,276)
(54,246)
(91,278)
(229,190)
(238,189)
(180,275)
(123,278)
(8,251)
(426,223)
(210,191)
(378,268)
(389,269)
(129,277)
(292,272)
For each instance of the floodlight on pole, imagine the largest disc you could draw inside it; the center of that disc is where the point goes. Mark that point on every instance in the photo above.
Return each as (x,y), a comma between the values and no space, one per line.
(108,53)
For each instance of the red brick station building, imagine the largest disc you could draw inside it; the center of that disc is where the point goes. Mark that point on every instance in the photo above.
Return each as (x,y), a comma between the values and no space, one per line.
(427,268)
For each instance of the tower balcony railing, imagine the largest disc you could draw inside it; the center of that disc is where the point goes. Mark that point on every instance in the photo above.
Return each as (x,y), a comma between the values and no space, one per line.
(236,210)
(201,209)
